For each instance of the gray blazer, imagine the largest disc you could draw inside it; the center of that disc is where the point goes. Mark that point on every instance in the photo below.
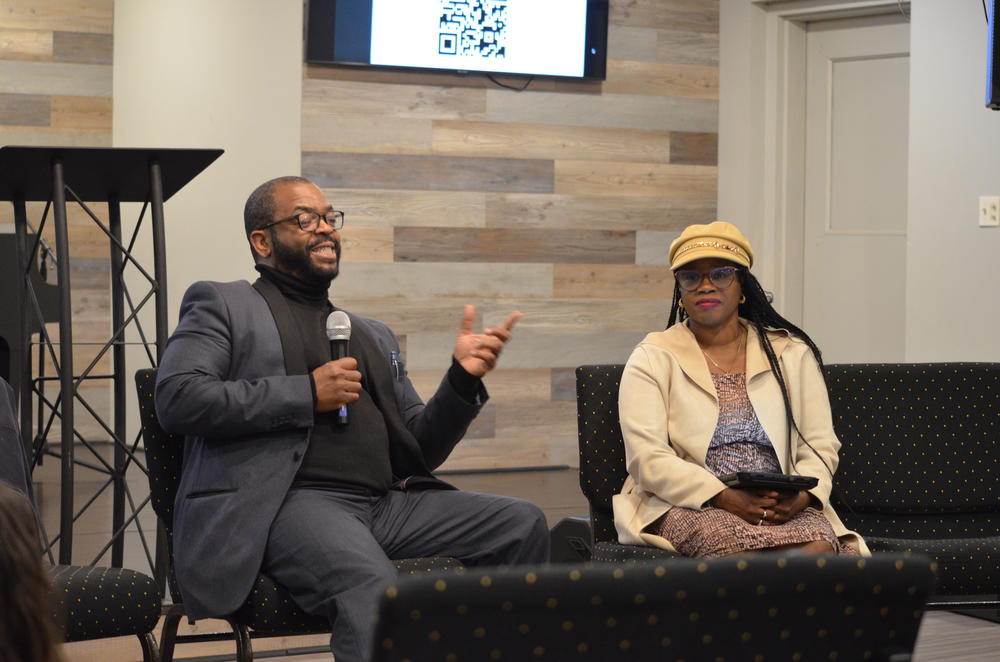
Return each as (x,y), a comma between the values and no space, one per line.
(222,383)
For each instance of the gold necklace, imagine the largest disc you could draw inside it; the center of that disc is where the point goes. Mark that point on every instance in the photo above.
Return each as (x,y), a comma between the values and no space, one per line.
(739,347)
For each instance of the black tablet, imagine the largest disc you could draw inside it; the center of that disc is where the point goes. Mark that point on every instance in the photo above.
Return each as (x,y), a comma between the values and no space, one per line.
(767,480)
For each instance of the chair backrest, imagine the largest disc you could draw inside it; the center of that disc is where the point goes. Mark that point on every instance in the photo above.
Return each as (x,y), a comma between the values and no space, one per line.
(764,607)
(602,451)
(919,439)
(164,451)
(164,458)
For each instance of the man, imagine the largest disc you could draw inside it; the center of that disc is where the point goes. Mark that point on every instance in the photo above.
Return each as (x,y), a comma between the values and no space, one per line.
(273,481)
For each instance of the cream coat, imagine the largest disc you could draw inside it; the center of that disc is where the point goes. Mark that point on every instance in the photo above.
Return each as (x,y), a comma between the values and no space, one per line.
(669,410)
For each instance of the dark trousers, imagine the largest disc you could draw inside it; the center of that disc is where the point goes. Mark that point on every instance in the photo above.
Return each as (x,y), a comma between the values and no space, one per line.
(332,549)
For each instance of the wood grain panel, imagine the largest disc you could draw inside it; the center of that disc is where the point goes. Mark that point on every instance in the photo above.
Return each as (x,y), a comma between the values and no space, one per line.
(367,244)
(687,47)
(334,98)
(632,43)
(69,15)
(549,315)
(25,45)
(662,79)
(417,208)
(448,79)
(694,148)
(692,15)
(44,135)
(652,246)
(562,387)
(496,453)
(24,109)
(435,173)
(584,212)
(412,314)
(87,48)
(502,245)
(635,179)
(85,80)
(374,135)
(461,281)
(613,280)
(81,113)
(505,385)
(572,315)
(431,351)
(539,141)
(626,111)
(89,273)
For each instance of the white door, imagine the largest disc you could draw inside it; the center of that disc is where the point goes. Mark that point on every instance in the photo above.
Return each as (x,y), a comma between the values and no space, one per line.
(854,249)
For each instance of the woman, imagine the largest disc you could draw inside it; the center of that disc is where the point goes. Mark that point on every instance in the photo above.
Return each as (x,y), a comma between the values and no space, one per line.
(729,386)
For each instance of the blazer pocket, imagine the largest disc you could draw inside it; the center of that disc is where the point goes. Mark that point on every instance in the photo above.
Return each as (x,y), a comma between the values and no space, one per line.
(207,493)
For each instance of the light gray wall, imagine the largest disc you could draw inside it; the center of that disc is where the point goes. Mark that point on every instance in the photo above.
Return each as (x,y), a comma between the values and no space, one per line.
(227,74)
(952,309)
(953,266)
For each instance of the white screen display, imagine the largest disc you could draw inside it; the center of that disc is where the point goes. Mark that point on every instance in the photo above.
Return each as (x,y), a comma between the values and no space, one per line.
(543,37)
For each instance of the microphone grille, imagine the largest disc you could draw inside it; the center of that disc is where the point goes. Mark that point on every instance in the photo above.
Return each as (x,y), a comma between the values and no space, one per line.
(338,326)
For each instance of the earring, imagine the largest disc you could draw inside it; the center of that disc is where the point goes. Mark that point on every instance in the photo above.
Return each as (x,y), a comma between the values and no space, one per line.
(743,298)
(680,303)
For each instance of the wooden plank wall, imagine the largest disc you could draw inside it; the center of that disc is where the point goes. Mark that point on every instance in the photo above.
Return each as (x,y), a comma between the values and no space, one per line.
(559,201)
(55,89)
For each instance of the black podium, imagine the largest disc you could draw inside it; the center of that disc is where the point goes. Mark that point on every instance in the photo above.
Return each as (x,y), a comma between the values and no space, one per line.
(57,175)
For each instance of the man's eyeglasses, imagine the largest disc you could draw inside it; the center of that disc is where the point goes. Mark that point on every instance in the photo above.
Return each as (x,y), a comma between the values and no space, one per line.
(721,277)
(309,220)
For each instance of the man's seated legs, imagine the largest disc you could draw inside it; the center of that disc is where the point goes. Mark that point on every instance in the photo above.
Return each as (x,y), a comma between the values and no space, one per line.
(321,549)
(476,529)
(331,550)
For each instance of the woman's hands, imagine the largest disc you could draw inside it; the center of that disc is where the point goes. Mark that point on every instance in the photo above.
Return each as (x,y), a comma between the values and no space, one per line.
(761,506)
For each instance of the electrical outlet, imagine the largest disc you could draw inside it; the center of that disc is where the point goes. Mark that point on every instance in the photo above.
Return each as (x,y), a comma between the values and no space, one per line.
(989,211)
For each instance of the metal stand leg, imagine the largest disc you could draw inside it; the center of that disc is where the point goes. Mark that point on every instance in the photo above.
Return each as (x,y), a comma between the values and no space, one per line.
(66,383)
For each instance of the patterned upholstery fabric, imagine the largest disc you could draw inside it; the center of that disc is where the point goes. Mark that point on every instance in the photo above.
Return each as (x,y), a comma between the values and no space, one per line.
(602,460)
(602,451)
(921,445)
(269,608)
(766,607)
(93,602)
(613,552)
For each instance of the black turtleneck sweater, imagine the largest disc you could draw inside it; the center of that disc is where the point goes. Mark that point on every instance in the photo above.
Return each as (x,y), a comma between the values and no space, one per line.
(356,454)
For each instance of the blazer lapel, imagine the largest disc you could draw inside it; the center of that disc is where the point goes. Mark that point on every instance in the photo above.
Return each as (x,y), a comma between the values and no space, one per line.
(291,340)
(404,451)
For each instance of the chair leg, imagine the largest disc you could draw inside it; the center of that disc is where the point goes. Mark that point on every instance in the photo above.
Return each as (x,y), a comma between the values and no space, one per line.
(150,653)
(168,636)
(244,647)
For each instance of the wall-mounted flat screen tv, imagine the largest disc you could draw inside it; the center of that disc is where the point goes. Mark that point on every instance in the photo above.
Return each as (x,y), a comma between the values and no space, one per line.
(566,38)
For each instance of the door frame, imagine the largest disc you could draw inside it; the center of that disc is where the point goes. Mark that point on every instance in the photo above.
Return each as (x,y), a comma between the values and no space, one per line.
(762,128)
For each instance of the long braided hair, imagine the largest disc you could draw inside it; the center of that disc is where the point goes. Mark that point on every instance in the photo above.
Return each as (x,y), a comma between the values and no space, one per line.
(757,310)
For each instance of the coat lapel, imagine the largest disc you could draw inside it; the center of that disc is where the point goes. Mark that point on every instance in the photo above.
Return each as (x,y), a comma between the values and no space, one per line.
(291,340)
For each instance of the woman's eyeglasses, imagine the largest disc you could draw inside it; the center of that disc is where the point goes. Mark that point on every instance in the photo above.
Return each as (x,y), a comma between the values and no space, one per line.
(721,277)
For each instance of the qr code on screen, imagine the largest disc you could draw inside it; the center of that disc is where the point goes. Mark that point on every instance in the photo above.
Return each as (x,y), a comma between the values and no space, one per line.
(473,27)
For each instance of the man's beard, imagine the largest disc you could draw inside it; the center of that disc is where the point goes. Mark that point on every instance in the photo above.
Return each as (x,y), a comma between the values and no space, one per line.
(298,262)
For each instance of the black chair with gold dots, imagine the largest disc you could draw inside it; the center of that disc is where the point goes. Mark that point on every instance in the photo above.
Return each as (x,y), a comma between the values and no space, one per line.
(88,602)
(919,467)
(602,461)
(765,607)
(269,610)
(94,602)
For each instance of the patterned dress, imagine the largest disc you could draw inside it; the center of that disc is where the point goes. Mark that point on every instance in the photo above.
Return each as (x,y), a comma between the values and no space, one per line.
(738,444)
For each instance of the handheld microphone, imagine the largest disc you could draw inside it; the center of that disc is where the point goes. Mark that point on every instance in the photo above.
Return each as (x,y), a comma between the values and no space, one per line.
(338,332)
